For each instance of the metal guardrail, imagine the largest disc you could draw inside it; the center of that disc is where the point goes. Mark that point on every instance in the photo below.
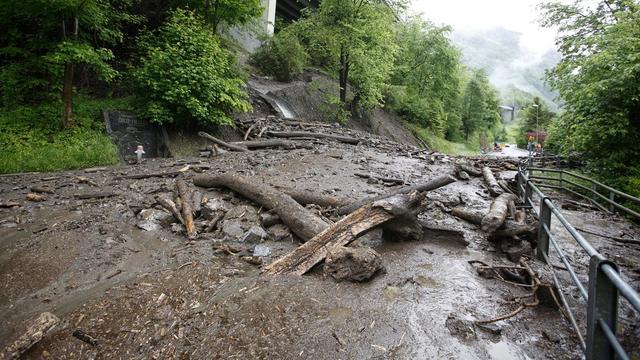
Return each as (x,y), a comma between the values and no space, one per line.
(604,285)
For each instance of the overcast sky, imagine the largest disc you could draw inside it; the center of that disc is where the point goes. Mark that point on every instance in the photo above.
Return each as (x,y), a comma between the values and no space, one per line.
(468,15)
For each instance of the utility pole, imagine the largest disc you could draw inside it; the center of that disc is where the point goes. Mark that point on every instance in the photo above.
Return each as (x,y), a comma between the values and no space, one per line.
(537,124)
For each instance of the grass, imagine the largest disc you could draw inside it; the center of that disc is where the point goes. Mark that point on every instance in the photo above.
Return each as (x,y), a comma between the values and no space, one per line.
(442,145)
(32,139)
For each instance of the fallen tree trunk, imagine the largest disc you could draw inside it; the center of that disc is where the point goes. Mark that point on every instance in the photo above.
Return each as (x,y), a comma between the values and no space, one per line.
(306,134)
(263,144)
(494,188)
(304,197)
(97,195)
(470,216)
(507,228)
(430,185)
(171,207)
(187,210)
(301,221)
(342,233)
(497,213)
(470,170)
(222,143)
(146,176)
(383,179)
(36,330)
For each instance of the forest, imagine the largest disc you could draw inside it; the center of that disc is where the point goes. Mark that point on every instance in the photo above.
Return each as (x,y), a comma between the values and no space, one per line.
(171,62)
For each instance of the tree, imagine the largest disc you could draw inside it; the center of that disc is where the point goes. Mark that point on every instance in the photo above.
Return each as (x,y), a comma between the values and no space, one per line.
(356,37)
(479,104)
(46,40)
(230,12)
(536,116)
(186,75)
(428,65)
(597,79)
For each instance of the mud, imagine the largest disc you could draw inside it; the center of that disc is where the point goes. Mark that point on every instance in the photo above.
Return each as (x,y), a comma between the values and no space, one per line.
(154,294)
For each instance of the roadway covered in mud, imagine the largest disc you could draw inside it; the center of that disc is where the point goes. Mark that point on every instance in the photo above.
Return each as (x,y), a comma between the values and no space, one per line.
(118,269)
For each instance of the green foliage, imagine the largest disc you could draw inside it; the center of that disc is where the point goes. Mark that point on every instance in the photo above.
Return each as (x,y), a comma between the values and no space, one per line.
(436,142)
(39,37)
(536,116)
(598,80)
(230,12)
(281,56)
(185,75)
(428,66)
(479,105)
(31,138)
(353,39)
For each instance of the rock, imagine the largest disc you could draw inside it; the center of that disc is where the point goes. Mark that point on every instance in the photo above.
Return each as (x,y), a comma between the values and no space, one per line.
(212,206)
(353,264)
(460,328)
(232,229)
(148,225)
(245,213)
(462,175)
(267,219)
(158,216)
(255,234)
(261,250)
(493,328)
(515,251)
(178,228)
(280,232)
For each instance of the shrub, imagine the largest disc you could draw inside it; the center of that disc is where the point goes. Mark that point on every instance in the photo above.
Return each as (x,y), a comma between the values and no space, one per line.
(186,75)
(281,56)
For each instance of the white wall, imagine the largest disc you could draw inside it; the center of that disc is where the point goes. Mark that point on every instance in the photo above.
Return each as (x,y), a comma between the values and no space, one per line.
(248,36)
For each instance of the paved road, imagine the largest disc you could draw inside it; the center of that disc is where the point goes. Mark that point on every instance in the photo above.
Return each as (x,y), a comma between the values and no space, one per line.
(511,150)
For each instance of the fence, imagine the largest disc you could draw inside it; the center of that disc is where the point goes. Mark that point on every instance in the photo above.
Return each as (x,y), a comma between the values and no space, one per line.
(604,283)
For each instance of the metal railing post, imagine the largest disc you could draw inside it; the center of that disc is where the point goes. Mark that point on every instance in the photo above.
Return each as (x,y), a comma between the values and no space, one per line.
(602,305)
(561,172)
(612,197)
(528,190)
(594,190)
(542,248)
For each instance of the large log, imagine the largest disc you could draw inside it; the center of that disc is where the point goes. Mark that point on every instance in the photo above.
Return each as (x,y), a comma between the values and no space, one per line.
(507,229)
(471,216)
(36,330)
(497,213)
(301,221)
(305,197)
(222,143)
(171,207)
(430,185)
(494,188)
(263,144)
(470,170)
(306,134)
(342,233)
(187,209)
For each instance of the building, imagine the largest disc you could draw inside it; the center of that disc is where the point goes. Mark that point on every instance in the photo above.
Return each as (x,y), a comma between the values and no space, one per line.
(287,10)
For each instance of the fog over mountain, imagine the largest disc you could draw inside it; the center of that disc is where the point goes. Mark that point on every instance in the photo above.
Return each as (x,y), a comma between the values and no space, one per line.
(500,52)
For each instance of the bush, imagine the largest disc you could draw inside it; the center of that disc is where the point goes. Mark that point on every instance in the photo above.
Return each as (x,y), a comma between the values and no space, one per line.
(31,138)
(282,56)
(186,75)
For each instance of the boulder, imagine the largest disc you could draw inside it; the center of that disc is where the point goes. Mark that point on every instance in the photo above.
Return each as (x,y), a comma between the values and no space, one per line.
(232,229)
(355,264)
(255,234)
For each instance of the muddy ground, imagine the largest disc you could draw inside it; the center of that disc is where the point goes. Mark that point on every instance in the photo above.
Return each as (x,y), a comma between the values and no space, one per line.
(155,294)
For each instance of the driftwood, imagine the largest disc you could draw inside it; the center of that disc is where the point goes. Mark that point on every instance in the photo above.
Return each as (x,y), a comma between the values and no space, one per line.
(263,144)
(212,224)
(9,205)
(302,123)
(301,221)
(37,329)
(43,189)
(96,195)
(494,188)
(507,229)
(187,210)
(222,143)
(342,233)
(305,134)
(497,213)
(470,170)
(35,197)
(171,207)
(146,176)
(304,197)
(83,336)
(383,179)
(430,185)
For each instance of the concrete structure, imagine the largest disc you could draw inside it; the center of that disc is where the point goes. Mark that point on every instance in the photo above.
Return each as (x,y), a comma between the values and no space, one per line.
(249,37)
(507,113)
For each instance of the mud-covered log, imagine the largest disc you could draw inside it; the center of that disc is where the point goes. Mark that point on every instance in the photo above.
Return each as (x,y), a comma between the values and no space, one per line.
(494,188)
(214,222)
(497,213)
(473,217)
(428,186)
(301,221)
(146,176)
(187,209)
(510,229)
(470,170)
(272,143)
(342,233)
(36,330)
(170,206)
(305,197)
(306,134)
(96,195)
(222,143)
(383,179)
